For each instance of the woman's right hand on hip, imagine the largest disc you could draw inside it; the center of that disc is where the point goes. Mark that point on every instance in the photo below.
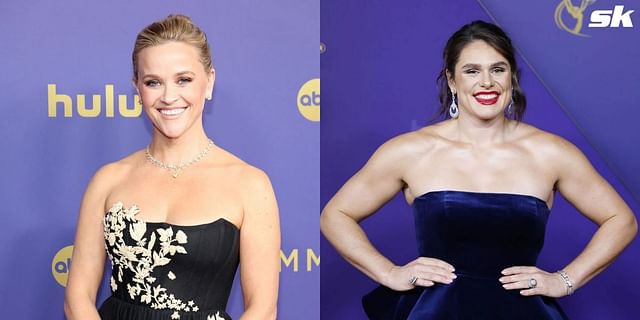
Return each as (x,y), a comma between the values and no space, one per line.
(423,272)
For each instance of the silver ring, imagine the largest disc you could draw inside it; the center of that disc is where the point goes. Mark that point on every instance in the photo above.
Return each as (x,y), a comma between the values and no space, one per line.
(532,283)
(413,280)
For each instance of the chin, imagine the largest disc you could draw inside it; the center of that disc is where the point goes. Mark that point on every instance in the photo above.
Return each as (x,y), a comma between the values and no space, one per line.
(489,115)
(173,129)
(171,133)
(171,136)
(487,112)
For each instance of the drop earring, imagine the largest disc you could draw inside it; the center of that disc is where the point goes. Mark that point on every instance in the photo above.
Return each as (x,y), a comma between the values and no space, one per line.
(453,108)
(509,109)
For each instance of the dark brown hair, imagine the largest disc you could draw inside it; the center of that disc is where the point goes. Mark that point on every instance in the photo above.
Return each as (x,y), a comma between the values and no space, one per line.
(498,40)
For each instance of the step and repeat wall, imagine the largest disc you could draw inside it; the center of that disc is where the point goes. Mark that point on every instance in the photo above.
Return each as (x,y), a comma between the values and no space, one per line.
(69,107)
(579,71)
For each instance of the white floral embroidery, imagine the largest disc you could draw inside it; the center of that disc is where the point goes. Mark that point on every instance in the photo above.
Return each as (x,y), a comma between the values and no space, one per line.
(114,286)
(216,316)
(141,259)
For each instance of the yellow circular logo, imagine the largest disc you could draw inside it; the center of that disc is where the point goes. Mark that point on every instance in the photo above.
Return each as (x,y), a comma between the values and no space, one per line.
(309,100)
(61,264)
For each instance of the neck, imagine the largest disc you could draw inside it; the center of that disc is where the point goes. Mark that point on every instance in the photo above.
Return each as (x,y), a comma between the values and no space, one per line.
(178,150)
(481,132)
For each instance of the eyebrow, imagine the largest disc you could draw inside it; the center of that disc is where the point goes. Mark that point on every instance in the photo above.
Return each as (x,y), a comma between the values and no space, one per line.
(181,73)
(477,66)
(185,72)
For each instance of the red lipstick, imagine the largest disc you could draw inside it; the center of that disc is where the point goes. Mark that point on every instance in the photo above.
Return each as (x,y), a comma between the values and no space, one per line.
(487,98)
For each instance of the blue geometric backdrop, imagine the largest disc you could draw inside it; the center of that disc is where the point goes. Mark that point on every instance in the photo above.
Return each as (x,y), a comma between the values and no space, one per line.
(379,72)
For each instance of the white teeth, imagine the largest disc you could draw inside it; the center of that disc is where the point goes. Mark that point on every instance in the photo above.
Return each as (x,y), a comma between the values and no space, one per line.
(171,112)
(487,96)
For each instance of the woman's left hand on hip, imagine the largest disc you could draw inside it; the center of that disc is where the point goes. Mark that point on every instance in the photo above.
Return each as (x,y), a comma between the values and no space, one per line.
(533,281)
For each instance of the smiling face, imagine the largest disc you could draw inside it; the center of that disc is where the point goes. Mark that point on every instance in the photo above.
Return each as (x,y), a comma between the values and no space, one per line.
(173,83)
(481,81)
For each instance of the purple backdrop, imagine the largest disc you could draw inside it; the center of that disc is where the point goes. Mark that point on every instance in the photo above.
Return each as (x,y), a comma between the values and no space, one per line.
(264,51)
(379,72)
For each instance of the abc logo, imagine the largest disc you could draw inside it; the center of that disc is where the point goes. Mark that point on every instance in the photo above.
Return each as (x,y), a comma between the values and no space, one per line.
(61,264)
(309,100)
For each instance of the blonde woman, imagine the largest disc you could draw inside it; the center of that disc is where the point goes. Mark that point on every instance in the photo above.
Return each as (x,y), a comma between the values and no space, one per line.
(177,217)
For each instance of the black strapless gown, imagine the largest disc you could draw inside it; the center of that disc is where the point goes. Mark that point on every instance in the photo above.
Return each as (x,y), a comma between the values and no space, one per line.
(480,234)
(165,271)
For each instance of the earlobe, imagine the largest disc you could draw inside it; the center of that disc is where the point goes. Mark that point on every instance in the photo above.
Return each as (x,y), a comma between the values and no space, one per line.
(452,88)
(212,77)
(212,80)
(450,82)
(135,86)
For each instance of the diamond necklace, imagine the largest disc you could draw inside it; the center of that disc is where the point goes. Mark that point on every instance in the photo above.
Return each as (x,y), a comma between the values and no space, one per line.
(177,168)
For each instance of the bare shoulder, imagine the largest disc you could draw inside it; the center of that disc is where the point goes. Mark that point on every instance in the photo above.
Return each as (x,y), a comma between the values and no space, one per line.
(255,181)
(252,186)
(414,143)
(552,147)
(245,174)
(106,179)
(113,172)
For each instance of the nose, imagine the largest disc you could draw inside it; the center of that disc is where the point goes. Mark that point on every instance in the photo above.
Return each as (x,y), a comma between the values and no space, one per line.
(169,95)
(486,81)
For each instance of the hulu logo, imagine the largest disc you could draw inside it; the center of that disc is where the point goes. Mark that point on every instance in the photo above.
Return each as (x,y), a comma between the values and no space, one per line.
(97,108)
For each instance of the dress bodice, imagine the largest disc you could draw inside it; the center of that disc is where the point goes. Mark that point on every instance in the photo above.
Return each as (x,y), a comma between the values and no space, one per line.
(480,234)
(166,271)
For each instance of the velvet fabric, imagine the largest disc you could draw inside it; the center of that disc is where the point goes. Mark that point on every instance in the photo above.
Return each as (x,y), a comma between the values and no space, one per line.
(480,234)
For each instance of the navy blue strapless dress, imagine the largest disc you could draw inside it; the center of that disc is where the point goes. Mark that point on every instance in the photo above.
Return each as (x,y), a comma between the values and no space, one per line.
(480,234)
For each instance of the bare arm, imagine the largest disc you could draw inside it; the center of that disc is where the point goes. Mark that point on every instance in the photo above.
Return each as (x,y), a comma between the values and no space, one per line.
(88,253)
(586,190)
(373,186)
(594,197)
(259,248)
